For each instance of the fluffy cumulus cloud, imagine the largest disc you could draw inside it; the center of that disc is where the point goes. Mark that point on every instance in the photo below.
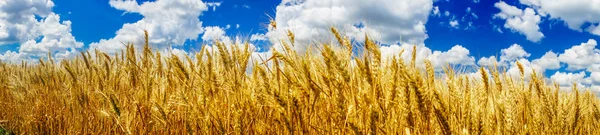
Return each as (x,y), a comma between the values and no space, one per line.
(594,29)
(36,38)
(488,61)
(213,33)
(180,53)
(11,56)
(567,79)
(457,55)
(392,21)
(17,19)
(581,56)
(595,78)
(422,52)
(508,55)
(56,37)
(525,21)
(575,13)
(169,22)
(258,37)
(513,52)
(582,62)
(548,61)
(528,67)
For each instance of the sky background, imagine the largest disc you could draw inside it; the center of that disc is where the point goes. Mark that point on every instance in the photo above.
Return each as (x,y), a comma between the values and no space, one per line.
(556,37)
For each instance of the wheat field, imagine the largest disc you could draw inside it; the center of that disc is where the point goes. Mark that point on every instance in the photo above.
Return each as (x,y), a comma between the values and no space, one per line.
(330,89)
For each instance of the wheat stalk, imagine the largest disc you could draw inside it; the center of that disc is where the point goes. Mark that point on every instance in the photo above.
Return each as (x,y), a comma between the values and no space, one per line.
(329,90)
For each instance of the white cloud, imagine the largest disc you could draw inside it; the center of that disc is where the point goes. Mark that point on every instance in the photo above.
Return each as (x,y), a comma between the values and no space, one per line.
(594,29)
(528,68)
(581,56)
(446,13)
(215,33)
(488,61)
(567,79)
(575,13)
(36,38)
(525,21)
(180,53)
(454,24)
(393,50)
(237,26)
(436,11)
(477,74)
(595,78)
(595,89)
(13,57)
(212,33)
(17,19)
(548,61)
(214,5)
(593,67)
(169,22)
(246,6)
(456,55)
(584,57)
(509,56)
(393,21)
(56,37)
(530,2)
(227,26)
(258,37)
(513,52)
(507,11)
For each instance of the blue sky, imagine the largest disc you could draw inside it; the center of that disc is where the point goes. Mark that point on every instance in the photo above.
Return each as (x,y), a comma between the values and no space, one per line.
(459,32)
(96,19)
(485,40)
